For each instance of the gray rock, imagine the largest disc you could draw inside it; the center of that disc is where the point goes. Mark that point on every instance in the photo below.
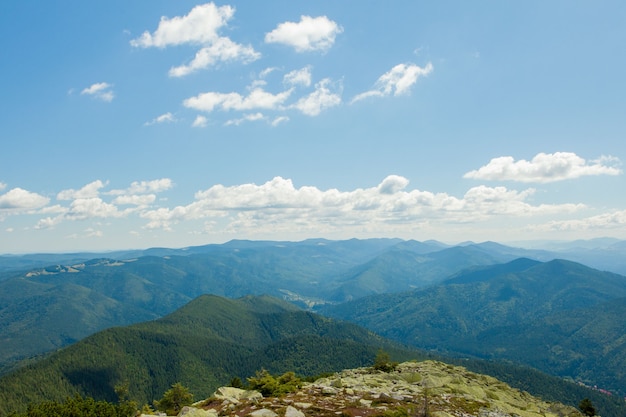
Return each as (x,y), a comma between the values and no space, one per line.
(196,412)
(264,412)
(237,394)
(293,412)
(329,391)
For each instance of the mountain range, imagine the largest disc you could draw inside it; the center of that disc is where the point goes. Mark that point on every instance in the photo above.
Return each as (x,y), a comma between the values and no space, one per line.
(205,343)
(44,308)
(213,340)
(485,301)
(558,316)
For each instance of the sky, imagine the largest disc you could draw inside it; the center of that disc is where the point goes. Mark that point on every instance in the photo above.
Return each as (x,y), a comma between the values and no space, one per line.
(175,123)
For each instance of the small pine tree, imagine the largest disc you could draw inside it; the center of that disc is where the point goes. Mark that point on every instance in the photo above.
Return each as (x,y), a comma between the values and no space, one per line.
(587,407)
(174,399)
(236,382)
(382,362)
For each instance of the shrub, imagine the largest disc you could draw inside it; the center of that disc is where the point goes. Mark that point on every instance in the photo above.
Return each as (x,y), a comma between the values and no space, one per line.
(270,386)
(382,362)
(174,399)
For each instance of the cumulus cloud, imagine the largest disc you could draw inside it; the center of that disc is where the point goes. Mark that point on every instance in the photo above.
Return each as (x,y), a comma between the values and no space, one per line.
(615,219)
(222,50)
(397,81)
(136,200)
(320,99)
(279,120)
(544,168)
(101,91)
(83,209)
(392,184)
(89,232)
(20,199)
(199,27)
(87,202)
(200,121)
(278,207)
(88,191)
(278,203)
(246,118)
(309,34)
(267,71)
(143,187)
(164,118)
(257,99)
(2,186)
(88,208)
(298,77)
(48,222)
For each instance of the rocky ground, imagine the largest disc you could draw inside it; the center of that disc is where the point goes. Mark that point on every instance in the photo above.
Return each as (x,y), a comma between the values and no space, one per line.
(418,389)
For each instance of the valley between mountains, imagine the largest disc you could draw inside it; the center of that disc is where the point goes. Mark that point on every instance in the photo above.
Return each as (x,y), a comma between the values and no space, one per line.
(86,322)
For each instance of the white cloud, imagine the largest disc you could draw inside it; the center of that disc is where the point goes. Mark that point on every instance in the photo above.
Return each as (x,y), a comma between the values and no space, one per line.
(392,184)
(279,120)
(86,202)
(2,186)
(88,191)
(221,50)
(544,168)
(48,222)
(164,118)
(322,98)
(247,118)
(267,71)
(20,199)
(200,26)
(93,233)
(257,84)
(136,200)
(200,121)
(298,77)
(101,91)
(604,221)
(310,34)
(278,204)
(277,207)
(56,209)
(397,81)
(87,233)
(257,99)
(144,187)
(94,207)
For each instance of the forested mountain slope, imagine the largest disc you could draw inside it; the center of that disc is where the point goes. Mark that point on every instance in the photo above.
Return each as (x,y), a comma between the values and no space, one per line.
(204,345)
(45,308)
(561,317)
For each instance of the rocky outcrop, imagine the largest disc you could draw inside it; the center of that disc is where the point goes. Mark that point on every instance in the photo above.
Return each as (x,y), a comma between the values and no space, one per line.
(413,389)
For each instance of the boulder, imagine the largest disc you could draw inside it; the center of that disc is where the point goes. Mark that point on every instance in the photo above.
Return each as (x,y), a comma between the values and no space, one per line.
(235,395)
(264,412)
(196,412)
(293,412)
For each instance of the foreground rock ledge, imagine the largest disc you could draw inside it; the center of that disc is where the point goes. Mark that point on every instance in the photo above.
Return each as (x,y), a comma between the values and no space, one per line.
(413,389)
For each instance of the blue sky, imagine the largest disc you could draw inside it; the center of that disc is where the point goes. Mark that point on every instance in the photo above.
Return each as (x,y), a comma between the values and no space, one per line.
(177,123)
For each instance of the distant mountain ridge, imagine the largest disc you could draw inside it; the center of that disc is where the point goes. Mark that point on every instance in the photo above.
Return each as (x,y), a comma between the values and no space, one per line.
(137,288)
(558,316)
(48,306)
